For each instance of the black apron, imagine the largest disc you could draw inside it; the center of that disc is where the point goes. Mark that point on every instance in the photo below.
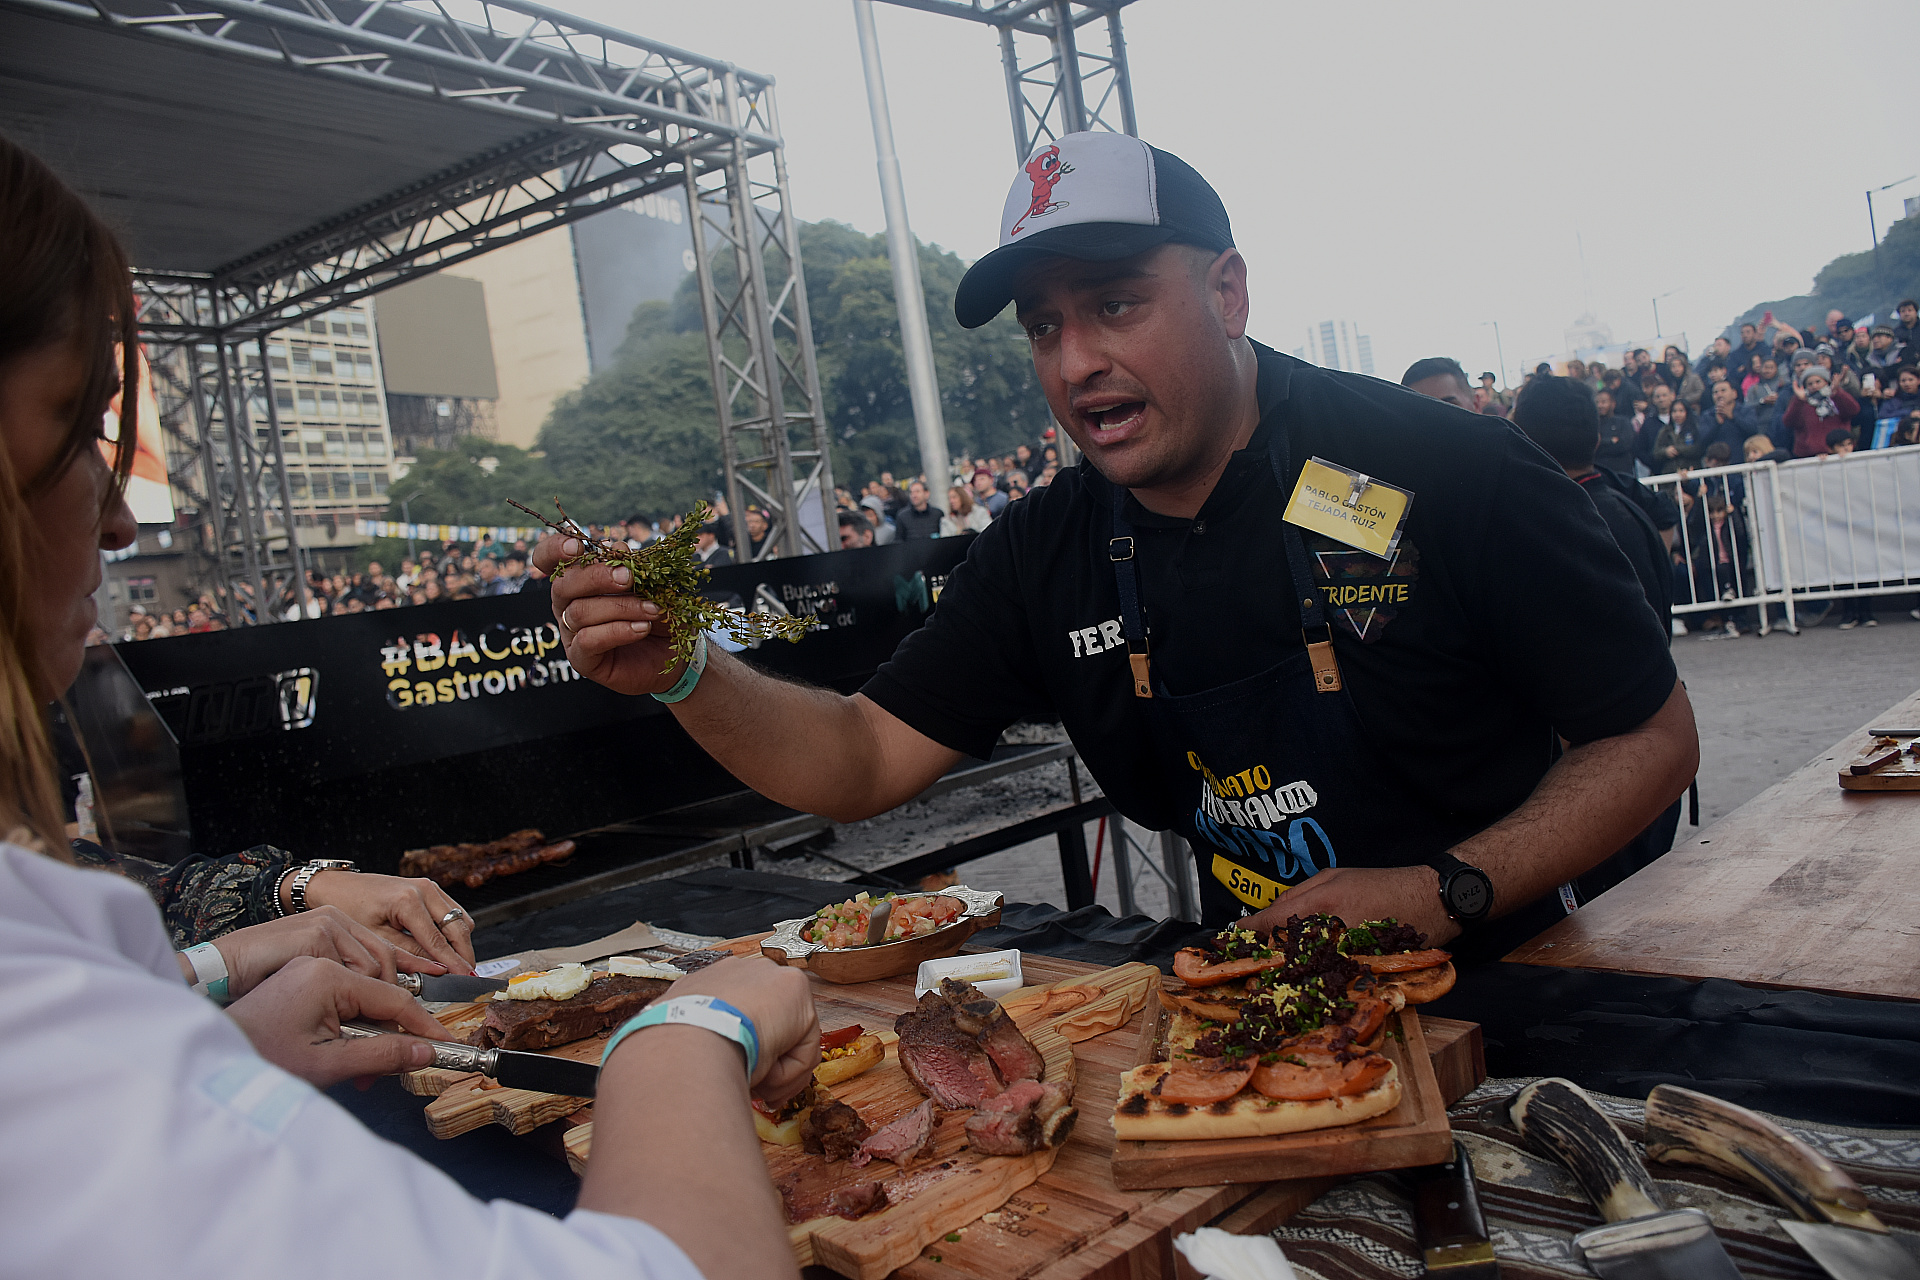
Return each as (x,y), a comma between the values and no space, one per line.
(1283,780)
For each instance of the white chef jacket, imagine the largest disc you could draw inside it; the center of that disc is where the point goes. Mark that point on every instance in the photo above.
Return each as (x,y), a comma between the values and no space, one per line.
(141,1135)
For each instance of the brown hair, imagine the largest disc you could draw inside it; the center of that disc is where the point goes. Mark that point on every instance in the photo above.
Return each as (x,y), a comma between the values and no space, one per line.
(63,278)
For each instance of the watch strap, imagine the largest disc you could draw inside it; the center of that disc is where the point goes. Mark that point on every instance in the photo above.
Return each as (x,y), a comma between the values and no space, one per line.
(304,876)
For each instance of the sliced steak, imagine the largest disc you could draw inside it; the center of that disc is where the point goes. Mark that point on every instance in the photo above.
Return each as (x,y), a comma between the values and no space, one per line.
(540,1024)
(984,1020)
(834,1130)
(902,1142)
(805,1198)
(1028,1117)
(944,1062)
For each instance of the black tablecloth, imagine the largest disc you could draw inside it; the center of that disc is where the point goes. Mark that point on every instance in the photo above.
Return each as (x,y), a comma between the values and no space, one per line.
(1791,1053)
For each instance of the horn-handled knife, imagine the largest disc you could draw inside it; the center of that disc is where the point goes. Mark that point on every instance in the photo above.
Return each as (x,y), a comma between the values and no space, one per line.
(536,1071)
(451,987)
(1832,1221)
(1642,1240)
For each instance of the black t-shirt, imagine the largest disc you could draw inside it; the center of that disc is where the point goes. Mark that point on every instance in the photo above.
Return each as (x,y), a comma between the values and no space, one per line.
(1520,618)
(913,523)
(1634,533)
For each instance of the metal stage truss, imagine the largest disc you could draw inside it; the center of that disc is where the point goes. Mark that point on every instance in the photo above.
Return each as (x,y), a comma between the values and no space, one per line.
(272,160)
(1054,85)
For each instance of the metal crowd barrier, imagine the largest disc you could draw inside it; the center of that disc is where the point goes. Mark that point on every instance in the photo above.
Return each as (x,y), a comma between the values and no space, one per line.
(1794,533)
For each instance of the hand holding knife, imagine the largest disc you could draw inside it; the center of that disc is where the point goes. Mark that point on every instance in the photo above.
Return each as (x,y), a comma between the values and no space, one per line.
(1832,1223)
(539,1072)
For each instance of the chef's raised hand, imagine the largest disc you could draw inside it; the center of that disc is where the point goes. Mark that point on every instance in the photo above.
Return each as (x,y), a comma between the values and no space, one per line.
(294,1017)
(779,1000)
(255,953)
(409,913)
(611,636)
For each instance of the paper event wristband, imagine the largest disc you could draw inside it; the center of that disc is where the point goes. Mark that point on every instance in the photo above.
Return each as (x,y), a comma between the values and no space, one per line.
(690,677)
(209,971)
(713,1014)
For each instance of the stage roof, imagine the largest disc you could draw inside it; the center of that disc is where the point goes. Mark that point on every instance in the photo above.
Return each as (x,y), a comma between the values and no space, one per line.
(251,143)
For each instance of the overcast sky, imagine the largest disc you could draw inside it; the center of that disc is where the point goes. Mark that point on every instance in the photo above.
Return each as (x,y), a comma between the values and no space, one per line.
(1419,169)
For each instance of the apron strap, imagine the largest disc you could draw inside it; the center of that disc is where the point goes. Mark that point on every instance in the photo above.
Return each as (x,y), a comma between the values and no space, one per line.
(1313,617)
(1126,577)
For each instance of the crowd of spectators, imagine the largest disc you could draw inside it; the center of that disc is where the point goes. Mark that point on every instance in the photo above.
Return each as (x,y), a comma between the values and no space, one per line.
(1852,386)
(1777,395)
(886,511)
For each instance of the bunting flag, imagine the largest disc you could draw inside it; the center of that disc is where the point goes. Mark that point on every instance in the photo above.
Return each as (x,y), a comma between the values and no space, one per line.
(444,532)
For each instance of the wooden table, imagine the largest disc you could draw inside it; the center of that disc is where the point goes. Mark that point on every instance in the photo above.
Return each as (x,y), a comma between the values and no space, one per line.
(1075,1224)
(1805,886)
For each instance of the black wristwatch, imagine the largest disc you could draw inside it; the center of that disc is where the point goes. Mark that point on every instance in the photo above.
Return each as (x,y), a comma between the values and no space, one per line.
(1466,892)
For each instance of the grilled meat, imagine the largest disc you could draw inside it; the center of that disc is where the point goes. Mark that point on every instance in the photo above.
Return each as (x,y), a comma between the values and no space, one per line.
(987,1022)
(903,1141)
(1026,1118)
(834,1130)
(474,864)
(540,1024)
(945,1063)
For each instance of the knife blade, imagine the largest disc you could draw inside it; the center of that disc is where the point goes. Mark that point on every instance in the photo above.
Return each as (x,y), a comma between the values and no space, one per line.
(1447,1222)
(1642,1239)
(1833,1222)
(539,1072)
(455,988)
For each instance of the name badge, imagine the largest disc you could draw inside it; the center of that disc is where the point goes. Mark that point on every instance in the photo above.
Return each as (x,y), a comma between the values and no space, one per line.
(1349,506)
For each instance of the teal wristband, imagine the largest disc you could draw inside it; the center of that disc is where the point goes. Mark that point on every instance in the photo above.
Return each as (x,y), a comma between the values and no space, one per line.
(209,971)
(691,676)
(713,1014)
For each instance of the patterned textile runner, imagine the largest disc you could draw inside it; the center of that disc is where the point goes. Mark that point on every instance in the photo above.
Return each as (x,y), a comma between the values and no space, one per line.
(1363,1228)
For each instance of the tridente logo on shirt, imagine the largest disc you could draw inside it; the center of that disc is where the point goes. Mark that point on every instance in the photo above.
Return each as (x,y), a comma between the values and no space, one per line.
(1363,592)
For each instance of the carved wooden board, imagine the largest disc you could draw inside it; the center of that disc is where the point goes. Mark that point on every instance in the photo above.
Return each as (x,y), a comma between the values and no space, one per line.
(1073,1223)
(1415,1132)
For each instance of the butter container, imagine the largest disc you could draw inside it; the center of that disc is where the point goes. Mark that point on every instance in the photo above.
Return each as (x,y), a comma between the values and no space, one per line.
(1004,966)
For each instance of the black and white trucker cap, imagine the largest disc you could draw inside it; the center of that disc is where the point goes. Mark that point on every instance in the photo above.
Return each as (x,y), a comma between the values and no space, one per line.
(1098,197)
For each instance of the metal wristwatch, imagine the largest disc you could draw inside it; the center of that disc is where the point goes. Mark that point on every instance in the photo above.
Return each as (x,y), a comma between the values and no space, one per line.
(298,891)
(1466,892)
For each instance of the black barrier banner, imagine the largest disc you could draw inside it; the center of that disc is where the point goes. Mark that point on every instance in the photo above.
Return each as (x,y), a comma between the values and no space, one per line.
(390,702)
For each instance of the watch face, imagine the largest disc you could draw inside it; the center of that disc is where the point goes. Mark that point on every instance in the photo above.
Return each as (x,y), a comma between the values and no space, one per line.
(1469,894)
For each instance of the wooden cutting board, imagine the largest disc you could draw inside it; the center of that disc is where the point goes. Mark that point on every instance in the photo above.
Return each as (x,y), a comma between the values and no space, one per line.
(1872,771)
(1415,1132)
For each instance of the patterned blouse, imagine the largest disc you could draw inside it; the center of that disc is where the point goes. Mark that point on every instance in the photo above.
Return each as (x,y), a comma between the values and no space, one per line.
(201,898)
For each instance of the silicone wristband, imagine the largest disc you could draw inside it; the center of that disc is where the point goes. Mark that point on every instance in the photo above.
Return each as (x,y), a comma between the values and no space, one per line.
(713,1014)
(210,970)
(691,676)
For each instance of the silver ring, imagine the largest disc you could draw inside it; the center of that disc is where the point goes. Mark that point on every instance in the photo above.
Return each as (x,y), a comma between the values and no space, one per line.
(566,620)
(452,915)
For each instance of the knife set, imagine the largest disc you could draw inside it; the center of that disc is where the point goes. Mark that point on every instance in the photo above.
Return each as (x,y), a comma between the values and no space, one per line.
(1644,1240)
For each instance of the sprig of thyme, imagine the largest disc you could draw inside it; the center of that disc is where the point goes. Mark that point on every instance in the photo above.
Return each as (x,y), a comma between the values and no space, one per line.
(670,574)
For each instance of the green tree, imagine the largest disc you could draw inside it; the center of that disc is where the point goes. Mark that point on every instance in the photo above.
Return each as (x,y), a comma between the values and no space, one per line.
(470,484)
(1850,284)
(641,433)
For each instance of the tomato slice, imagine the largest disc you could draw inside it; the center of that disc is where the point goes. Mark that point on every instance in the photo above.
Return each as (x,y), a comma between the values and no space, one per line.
(836,1039)
(1203,1081)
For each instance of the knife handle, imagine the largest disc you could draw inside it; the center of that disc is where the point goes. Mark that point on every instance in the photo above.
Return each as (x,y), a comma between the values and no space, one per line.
(1447,1222)
(1684,1127)
(448,1055)
(408,982)
(1557,1117)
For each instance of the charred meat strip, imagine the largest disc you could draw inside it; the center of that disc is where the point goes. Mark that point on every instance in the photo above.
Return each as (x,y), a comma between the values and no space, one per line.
(1028,1117)
(903,1141)
(540,1024)
(834,1130)
(475,864)
(693,961)
(945,1063)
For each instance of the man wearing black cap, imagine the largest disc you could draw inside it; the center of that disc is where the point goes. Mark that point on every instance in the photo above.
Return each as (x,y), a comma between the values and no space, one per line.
(1273,604)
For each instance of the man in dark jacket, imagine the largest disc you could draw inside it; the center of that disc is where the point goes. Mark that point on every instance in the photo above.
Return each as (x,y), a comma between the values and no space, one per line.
(1727,420)
(1907,332)
(1741,359)
(1559,415)
(918,519)
(1615,451)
